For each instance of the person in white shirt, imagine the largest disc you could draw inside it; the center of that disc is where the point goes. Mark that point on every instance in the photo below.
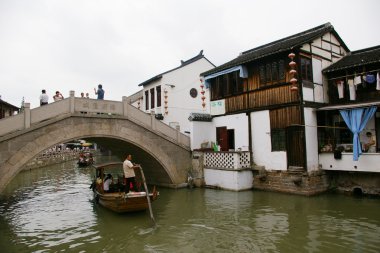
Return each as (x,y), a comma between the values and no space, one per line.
(129,173)
(107,182)
(44,98)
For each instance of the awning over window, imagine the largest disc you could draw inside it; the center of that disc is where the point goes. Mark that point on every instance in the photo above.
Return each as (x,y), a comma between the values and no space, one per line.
(349,106)
(243,73)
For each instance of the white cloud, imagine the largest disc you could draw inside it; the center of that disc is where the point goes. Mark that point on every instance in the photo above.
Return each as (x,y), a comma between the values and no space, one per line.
(76,44)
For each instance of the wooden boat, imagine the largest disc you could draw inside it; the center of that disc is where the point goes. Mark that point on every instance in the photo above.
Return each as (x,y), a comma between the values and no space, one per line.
(116,199)
(85,159)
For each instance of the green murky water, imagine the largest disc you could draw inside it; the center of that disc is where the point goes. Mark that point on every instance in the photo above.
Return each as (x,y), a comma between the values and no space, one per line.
(51,209)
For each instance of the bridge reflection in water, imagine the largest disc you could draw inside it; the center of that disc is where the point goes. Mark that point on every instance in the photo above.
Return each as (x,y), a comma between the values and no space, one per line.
(51,210)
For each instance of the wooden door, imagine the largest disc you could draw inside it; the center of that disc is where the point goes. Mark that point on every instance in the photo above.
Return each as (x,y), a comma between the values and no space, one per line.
(222,138)
(295,146)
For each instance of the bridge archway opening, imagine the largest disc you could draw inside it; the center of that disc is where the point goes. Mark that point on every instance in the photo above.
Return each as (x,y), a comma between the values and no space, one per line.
(154,171)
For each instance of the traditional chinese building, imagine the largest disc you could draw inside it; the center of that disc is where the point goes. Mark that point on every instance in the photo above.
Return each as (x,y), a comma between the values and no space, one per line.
(349,125)
(174,94)
(7,109)
(264,102)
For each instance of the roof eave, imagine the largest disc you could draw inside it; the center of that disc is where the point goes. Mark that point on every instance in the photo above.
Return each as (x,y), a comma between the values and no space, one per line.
(156,78)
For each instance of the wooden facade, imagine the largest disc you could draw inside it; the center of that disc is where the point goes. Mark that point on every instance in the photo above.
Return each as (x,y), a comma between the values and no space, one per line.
(274,95)
(266,86)
(262,97)
(7,109)
(284,117)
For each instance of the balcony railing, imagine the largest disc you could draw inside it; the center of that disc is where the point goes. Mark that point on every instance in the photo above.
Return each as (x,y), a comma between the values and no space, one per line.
(227,160)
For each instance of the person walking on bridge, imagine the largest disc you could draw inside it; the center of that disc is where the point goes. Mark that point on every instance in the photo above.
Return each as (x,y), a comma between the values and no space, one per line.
(44,98)
(58,96)
(99,92)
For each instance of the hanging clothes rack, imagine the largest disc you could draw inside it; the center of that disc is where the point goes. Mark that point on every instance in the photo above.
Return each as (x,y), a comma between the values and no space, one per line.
(356,74)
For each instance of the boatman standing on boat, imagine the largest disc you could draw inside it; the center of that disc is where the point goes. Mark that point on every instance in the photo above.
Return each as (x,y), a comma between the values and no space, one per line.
(129,173)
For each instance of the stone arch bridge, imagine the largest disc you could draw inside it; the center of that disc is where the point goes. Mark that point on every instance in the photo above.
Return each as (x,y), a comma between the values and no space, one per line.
(163,152)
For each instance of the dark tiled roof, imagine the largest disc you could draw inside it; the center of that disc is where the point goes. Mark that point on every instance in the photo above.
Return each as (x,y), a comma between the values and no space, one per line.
(200,117)
(356,58)
(183,63)
(8,104)
(278,46)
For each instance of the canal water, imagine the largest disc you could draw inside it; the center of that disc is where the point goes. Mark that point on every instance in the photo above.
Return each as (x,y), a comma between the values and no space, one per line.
(51,209)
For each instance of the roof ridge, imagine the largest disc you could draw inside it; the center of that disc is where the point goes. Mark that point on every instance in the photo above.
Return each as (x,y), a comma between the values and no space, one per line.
(325,26)
(198,56)
(183,64)
(365,50)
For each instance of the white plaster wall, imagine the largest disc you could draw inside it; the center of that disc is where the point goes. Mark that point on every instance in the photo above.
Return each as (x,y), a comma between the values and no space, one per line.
(325,64)
(238,122)
(319,93)
(311,139)
(228,179)
(308,94)
(334,40)
(317,70)
(261,143)
(368,162)
(201,132)
(180,103)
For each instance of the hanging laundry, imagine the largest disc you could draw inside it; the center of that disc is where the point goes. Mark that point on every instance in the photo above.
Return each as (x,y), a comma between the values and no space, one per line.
(340,86)
(357,80)
(352,89)
(378,81)
(370,78)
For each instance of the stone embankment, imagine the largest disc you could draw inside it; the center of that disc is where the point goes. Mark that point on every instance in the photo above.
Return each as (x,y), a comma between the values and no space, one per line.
(54,157)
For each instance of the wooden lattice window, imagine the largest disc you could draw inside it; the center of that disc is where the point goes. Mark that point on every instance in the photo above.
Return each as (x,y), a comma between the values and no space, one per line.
(146,100)
(306,71)
(152,98)
(278,139)
(158,91)
(281,70)
(272,72)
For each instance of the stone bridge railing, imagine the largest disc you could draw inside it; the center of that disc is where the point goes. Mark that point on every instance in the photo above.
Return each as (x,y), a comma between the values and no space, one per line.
(85,107)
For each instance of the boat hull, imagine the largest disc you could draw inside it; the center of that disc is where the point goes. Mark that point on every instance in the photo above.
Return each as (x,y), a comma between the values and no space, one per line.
(122,203)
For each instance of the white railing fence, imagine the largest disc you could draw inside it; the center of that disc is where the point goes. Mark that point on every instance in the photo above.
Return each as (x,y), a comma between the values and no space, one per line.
(227,160)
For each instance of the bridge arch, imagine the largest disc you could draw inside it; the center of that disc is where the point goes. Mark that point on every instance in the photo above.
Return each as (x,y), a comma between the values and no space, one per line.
(164,162)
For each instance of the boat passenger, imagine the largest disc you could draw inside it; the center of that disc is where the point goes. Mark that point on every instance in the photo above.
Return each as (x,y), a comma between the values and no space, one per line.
(107,183)
(370,145)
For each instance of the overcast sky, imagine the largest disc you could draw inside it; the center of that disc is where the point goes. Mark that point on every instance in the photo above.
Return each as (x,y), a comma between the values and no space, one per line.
(76,44)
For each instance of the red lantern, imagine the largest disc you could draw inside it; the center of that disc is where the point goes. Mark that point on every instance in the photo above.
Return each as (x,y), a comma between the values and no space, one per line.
(292,64)
(291,55)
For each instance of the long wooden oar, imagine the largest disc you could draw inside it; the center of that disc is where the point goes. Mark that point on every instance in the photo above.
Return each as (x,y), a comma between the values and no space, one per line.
(147,194)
